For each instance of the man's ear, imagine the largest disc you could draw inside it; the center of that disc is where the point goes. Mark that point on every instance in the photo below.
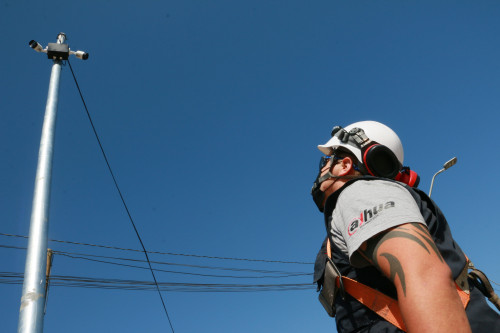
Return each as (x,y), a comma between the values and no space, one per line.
(347,166)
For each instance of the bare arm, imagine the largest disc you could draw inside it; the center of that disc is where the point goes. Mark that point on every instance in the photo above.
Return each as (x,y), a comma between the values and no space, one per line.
(426,291)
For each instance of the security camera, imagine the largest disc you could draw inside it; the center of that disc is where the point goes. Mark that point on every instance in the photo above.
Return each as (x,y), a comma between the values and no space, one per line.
(58,51)
(36,46)
(81,55)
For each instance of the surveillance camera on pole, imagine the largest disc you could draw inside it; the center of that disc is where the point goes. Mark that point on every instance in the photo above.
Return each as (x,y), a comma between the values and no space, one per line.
(446,166)
(58,51)
(33,295)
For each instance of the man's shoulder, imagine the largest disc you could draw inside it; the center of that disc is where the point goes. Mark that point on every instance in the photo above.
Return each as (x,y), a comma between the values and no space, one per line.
(368,186)
(366,190)
(373,192)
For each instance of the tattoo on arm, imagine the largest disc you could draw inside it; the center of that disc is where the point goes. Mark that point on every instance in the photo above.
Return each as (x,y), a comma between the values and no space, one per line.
(395,269)
(425,235)
(415,232)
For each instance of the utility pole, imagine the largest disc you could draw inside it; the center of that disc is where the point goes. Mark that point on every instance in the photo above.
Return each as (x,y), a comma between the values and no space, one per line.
(33,297)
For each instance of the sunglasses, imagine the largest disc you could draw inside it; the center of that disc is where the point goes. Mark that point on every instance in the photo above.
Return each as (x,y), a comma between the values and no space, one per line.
(325,159)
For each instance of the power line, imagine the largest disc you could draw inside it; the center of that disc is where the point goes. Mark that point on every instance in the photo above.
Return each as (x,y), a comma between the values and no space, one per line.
(276,274)
(169,253)
(121,284)
(280,273)
(134,285)
(120,193)
(102,283)
(184,273)
(189,255)
(78,255)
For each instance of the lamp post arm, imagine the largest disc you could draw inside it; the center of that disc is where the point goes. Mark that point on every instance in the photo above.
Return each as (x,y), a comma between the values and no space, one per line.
(432,182)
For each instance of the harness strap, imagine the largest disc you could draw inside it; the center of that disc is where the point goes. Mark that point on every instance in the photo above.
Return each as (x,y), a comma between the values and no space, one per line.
(464,296)
(383,305)
(480,280)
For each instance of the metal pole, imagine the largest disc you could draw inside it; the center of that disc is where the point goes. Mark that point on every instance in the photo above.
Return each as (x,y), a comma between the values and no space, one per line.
(432,182)
(33,297)
(446,166)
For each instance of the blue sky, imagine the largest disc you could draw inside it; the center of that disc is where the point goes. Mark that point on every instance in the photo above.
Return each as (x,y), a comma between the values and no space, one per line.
(210,113)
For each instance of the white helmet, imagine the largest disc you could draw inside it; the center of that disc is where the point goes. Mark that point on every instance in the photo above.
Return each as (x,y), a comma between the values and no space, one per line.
(373,130)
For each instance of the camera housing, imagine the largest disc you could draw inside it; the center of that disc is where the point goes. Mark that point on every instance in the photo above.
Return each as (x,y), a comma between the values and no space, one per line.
(36,46)
(58,51)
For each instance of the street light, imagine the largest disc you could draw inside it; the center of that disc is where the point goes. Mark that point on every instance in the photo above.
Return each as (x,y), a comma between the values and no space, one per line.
(446,166)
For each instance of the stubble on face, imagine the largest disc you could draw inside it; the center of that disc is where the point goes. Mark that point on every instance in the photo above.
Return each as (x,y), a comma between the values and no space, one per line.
(328,185)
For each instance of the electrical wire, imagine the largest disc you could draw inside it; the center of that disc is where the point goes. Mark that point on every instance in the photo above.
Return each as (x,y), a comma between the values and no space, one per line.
(102,283)
(82,256)
(169,253)
(164,263)
(184,273)
(280,273)
(283,273)
(79,255)
(120,194)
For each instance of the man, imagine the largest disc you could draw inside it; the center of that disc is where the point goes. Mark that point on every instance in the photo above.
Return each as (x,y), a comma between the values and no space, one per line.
(391,238)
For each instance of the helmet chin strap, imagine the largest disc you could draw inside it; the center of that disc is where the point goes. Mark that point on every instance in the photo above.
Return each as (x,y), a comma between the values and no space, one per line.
(320,196)
(329,175)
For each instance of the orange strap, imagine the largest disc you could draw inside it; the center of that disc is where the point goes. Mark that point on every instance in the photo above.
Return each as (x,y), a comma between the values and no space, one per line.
(464,294)
(464,297)
(383,305)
